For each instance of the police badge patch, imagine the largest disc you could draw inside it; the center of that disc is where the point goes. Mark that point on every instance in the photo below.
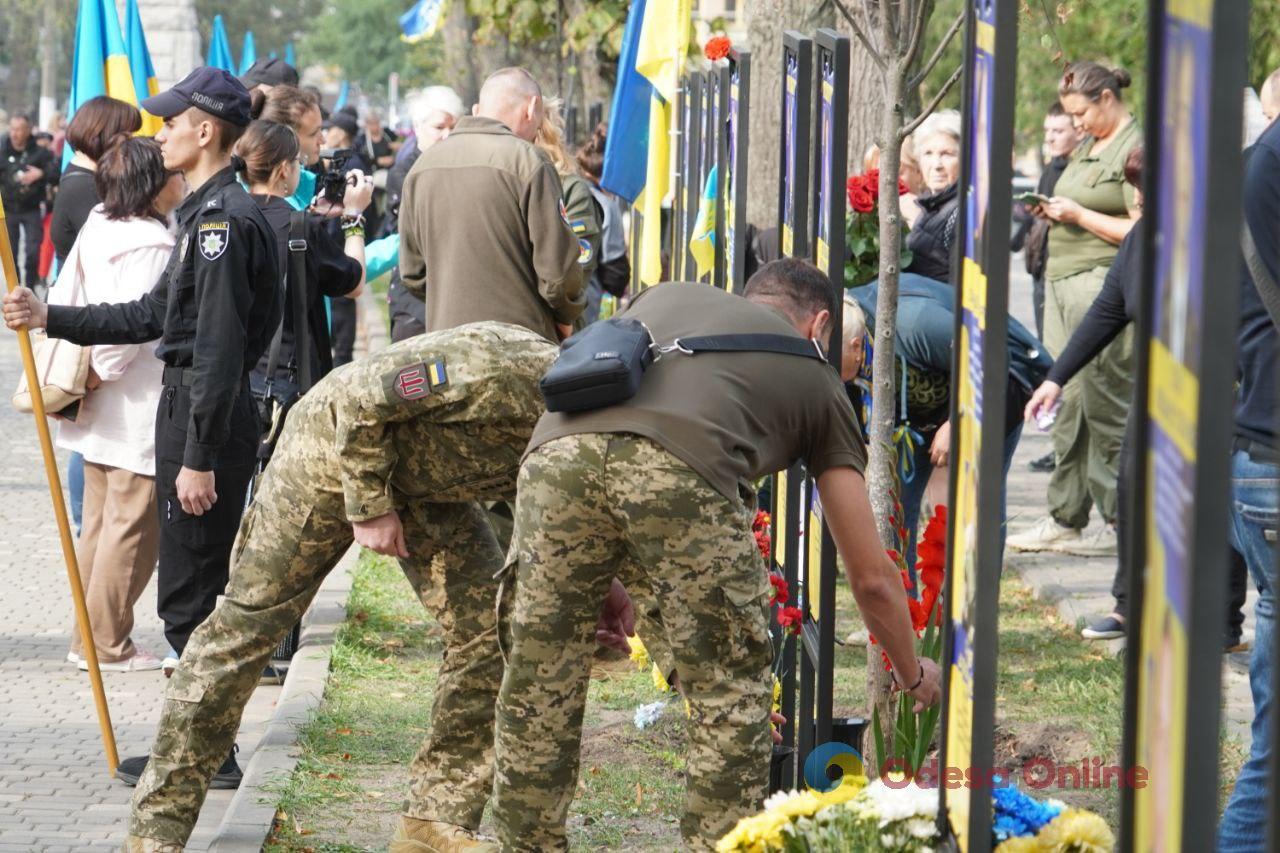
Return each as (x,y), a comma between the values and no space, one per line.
(212,238)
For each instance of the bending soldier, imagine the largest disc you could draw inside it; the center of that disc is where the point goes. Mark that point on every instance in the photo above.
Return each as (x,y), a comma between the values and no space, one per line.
(395,452)
(655,488)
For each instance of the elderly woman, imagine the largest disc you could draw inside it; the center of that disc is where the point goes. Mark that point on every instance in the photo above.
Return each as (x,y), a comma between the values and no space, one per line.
(933,238)
(1092,210)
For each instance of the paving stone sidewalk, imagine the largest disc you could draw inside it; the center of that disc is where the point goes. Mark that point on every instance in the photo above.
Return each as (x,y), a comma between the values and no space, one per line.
(55,794)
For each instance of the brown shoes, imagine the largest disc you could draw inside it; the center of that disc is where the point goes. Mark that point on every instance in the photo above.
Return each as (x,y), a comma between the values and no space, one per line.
(433,836)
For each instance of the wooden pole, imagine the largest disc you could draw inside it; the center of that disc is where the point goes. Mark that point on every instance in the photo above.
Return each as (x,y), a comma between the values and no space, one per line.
(60,510)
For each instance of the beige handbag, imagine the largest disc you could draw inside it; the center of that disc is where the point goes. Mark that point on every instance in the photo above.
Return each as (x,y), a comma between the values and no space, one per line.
(62,367)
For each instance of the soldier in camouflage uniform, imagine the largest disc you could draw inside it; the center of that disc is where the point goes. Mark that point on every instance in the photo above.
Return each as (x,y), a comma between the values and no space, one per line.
(412,438)
(655,491)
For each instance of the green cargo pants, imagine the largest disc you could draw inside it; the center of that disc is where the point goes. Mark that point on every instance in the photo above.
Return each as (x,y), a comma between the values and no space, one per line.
(1095,403)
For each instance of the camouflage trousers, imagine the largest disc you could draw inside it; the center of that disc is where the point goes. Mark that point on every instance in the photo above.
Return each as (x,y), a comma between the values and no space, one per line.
(288,542)
(597,506)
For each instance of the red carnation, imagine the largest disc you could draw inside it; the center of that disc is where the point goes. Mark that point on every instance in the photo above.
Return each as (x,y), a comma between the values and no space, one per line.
(781,593)
(717,48)
(790,619)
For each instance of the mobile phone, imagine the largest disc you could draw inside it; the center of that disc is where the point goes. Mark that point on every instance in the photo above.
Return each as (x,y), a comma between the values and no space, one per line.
(1032,198)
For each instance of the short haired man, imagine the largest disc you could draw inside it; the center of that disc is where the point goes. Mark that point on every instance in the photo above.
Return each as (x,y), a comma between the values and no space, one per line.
(433,112)
(656,491)
(482,226)
(215,310)
(393,452)
(26,172)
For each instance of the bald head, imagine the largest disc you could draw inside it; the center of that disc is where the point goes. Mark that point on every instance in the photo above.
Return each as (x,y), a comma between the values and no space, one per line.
(513,97)
(1270,95)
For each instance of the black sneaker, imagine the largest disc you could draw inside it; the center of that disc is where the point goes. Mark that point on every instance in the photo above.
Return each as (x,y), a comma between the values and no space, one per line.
(228,776)
(1106,628)
(1044,464)
(130,770)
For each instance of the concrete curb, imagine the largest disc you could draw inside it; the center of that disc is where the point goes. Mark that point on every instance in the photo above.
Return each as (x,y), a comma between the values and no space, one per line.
(252,812)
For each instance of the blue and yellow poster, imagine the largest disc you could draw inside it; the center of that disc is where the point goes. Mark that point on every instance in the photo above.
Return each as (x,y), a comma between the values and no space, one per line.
(790,104)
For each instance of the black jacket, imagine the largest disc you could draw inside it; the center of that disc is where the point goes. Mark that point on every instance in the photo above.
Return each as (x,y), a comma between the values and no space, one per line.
(1258,344)
(932,240)
(402,303)
(329,273)
(215,308)
(18,198)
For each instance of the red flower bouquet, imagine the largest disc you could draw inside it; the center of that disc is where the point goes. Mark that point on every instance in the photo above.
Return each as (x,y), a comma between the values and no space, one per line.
(862,229)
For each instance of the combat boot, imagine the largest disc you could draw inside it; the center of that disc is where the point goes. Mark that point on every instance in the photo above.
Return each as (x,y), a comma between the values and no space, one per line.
(433,836)
(137,844)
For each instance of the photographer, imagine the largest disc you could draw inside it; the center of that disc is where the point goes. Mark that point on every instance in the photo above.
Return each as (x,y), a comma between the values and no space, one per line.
(299,355)
(339,141)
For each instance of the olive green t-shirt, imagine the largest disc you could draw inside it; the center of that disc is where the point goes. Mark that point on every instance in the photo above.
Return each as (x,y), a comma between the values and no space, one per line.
(1095,182)
(731,417)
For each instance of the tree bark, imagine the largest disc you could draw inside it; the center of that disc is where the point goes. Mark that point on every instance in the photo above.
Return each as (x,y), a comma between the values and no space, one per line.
(767,20)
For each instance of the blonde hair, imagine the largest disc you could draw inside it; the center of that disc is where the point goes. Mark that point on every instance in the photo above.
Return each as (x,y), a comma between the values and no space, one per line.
(550,137)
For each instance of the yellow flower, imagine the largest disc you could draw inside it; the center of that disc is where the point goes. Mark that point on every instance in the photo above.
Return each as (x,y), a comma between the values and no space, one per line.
(755,834)
(777,695)
(1077,831)
(850,786)
(1020,844)
(660,680)
(688,710)
(639,654)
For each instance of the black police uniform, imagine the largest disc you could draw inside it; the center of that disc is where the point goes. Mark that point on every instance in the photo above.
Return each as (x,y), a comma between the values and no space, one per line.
(215,308)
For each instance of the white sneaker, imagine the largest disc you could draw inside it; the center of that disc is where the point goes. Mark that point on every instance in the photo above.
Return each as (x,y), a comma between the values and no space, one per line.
(142,661)
(1045,535)
(72,657)
(1100,542)
(170,663)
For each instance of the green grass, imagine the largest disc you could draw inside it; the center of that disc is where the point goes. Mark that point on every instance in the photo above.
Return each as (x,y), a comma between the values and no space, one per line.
(1058,697)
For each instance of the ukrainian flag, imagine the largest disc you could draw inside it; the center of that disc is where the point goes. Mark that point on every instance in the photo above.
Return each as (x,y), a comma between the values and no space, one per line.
(626,149)
(702,243)
(101,63)
(140,67)
(248,53)
(219,48)
(659,58)
(422,20)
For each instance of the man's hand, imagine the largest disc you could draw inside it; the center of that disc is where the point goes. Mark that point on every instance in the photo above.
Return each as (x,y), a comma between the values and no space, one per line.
(383,535)
(30,175)
(776,722)
(196,491)
(617,618)
(359,192)
(1043,400)
(24,308)
(563,330)
(940,450)
(929,691)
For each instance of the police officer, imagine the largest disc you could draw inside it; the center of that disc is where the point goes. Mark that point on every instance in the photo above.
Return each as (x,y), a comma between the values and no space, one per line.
(653,488)
(214,309)
(393,452)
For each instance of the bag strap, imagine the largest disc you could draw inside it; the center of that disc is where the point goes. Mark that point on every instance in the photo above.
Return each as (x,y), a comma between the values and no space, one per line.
(783,344)
(297,282)
(1262,278)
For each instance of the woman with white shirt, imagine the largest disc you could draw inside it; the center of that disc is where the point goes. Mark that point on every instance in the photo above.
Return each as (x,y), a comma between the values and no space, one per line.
(120,254)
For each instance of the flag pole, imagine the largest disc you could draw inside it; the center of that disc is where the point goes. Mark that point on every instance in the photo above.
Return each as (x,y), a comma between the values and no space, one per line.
(60,510)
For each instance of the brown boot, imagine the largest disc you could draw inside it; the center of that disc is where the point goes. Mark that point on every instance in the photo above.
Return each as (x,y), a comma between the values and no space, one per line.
(137,844)
(433,836)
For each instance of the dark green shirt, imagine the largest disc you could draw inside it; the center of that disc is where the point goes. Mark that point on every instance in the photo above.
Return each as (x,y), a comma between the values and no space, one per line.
(1095,182)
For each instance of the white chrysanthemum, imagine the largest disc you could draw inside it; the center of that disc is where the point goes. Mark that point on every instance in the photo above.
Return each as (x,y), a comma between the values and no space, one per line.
(776,799)
(647,715)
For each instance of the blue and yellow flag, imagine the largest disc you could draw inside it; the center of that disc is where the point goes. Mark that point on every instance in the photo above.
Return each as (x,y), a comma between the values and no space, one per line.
(248,53)
(219,55)
(101,64)
(626,149)
(702,242)
(140,67)
(659,58)
(423,20)
(289,57)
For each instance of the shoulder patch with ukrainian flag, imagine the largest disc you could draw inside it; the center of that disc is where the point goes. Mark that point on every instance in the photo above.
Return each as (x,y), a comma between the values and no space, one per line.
(579,226)
(584,251)
(420,380)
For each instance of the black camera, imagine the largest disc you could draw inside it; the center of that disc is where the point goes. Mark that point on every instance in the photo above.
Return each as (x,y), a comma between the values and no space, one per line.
(334,181)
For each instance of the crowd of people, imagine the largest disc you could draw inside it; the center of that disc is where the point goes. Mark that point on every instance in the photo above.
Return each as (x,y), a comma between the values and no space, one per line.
(229,441)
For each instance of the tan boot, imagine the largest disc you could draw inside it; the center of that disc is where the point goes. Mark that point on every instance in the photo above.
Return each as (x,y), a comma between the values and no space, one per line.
(136,844)
(433,836)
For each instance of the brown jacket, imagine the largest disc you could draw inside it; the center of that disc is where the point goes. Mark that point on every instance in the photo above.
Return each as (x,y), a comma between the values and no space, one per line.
(483,235)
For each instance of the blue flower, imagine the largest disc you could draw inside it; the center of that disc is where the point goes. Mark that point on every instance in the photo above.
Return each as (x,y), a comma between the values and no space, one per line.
(1017,814)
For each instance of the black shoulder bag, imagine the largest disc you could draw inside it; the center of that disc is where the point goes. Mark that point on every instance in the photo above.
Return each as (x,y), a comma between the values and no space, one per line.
(277,398)
(603,364)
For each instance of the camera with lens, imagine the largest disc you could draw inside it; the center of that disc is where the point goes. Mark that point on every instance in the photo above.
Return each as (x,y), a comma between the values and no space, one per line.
(334,182)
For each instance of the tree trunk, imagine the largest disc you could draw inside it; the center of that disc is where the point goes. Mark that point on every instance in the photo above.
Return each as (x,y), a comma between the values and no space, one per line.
(866,105)
(767,20)
(460,52)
